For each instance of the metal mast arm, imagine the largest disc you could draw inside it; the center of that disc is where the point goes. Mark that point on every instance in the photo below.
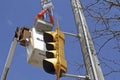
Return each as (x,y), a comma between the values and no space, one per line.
(9,59)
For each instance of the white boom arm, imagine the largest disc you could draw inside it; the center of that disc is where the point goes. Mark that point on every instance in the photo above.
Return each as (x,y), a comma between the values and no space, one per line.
(9,59)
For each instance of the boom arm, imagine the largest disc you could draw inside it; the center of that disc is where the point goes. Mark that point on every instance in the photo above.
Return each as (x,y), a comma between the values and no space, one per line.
(9,59)
(21,34)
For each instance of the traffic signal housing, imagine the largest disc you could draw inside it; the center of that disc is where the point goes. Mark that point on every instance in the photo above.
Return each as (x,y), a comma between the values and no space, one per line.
(55,62)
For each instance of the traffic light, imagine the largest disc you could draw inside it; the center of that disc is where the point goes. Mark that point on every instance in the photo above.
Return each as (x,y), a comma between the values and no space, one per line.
(55,62)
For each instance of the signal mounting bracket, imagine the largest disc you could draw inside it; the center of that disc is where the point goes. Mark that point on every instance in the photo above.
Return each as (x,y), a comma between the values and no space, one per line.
(87,77)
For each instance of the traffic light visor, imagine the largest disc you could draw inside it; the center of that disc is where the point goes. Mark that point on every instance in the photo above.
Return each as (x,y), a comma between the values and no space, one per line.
(51,46)
(51,54)
(48,37)
(49,65)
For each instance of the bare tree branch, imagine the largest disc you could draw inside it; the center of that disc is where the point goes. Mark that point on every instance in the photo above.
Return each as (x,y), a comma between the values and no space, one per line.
(102,46)
(117,3)
(111,72)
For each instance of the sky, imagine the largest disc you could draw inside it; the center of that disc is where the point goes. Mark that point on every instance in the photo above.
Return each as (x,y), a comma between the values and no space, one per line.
(18,13)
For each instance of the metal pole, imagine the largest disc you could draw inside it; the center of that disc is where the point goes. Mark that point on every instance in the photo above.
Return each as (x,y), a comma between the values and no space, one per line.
(9,59)
(89,54)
